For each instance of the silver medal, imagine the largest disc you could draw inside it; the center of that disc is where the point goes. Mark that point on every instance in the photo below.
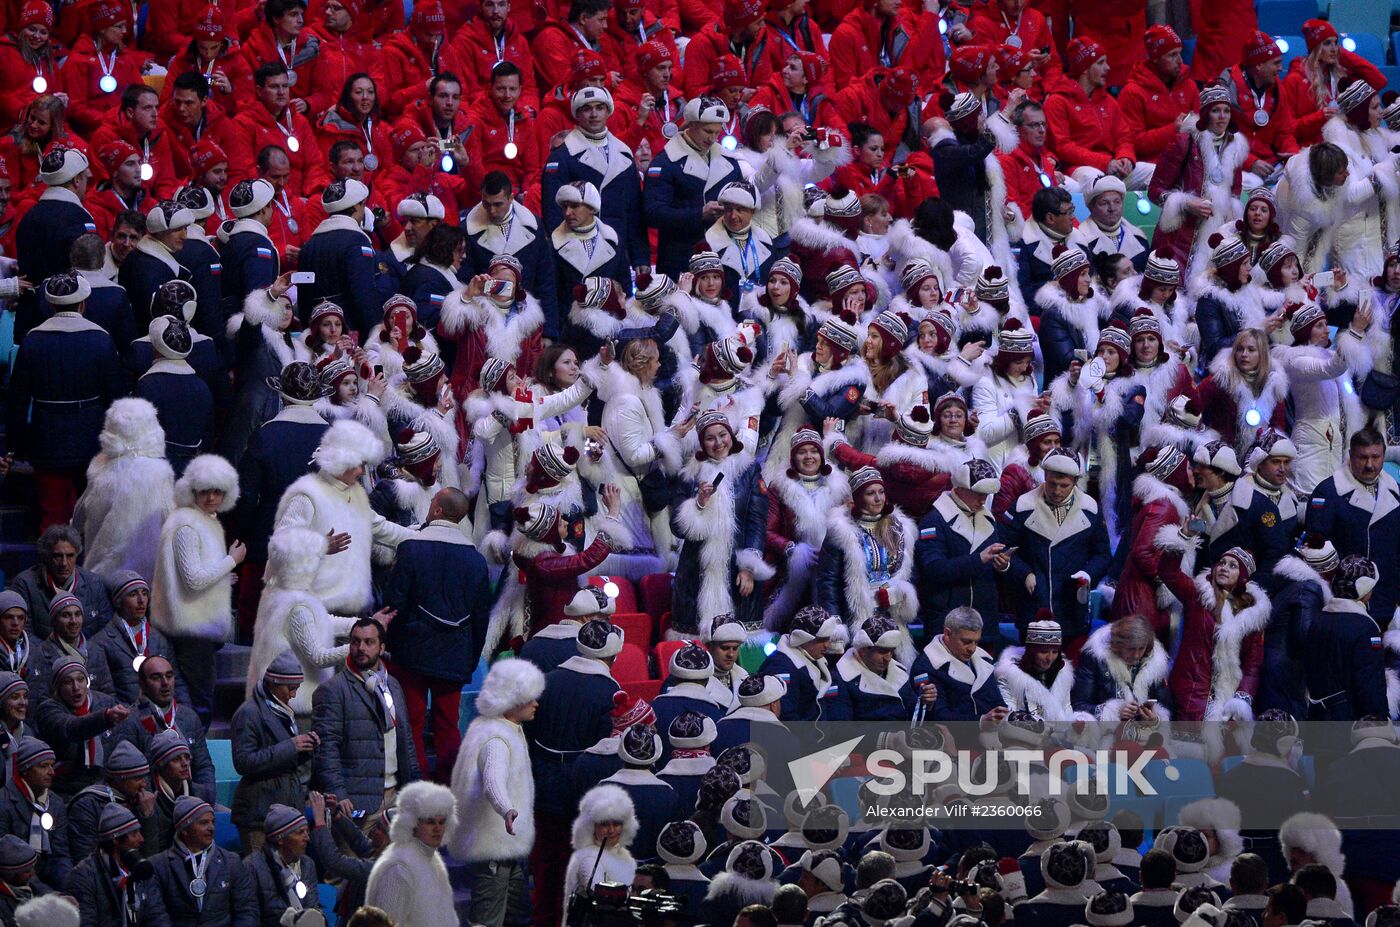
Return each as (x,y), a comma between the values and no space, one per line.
(108,83)
(371,162)
(291,78)
(729,142)
(1013,40)
(1261,118)
(293,226)
(137,661)
(301,889)
(669,130)
(40,85)
(198,887)
(292,144)
(1045,179)
(447,162)
(147,172)
(46,821)
(511,151)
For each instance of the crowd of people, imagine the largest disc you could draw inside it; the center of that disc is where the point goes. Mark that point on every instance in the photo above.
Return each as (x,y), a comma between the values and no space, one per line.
(389,344)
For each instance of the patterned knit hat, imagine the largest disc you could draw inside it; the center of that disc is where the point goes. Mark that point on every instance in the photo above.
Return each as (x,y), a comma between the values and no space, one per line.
(652,290)
(839,333)
(1226,252)
(842,278)
(1317,31)
(280,821)
(1116,336)
(944,328)
(125,761)
(878,631)
(993,286)
(417,453)
(629,710)
(1352,96)
(1302,319)
(639,745)
(691,663)
(865,476)
(963,105)
(705,261)
(1144,322)
(1162,268)
(552,465)
(1160,40)
(913,274)
(723,360)
(537,520)
(894,332)
(1068,260)
(681,843)
(1162,462)
(599,638)
(1355,577)
(915,427)
(690,730)
(1317,552)
(787,267)
(1038,426)
(1212,95)
(1045,633)
(421,366)
(1109,909)
(713,418)
(1081,55)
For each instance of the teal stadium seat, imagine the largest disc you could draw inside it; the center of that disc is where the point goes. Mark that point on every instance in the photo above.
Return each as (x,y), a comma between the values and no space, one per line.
(1366,44)
(1361,16)
(1281,17)
(225,776)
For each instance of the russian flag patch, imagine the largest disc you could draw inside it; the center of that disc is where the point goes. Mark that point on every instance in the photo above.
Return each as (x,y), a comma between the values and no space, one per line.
(1318,502)
(830,691)
(928,534)
(785,677)
(654,171)
(436,298)
(265,253)
(366,251)
(551,167)
(1376,643)
(216,269)
(89,226)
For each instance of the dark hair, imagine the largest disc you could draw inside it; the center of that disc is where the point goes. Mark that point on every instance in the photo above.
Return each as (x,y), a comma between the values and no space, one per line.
(861,132)
(1324,161)
(440,244)
(1249,874)
(131,219)
(276,9)
(505,69)
(758,915)
(1105,264)
(339,148)
(873,867)
(193,80)
(1288,901)
(344,101)
(1316,881)
(369,916)
(87,252)
(1366,437)
(1048,201)
(581,8)
(790,905)
(368,623)
(933,222)
(267,70)
(265,153)
(973,855)
(758,125)
(131,96)
(993,907)
(444,77)
(1158,869)
(1018,115)
(496,183)
(660,878)
(544,364)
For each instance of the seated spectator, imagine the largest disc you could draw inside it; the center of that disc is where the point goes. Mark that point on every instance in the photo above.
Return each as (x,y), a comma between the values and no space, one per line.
(28,802)
(198,880)
(130,639)
(126,784)
(284,876)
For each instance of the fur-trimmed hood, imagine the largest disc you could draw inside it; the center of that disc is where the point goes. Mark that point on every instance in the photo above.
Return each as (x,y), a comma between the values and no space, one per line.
(1087,315)
(419,800)
(1024,689)
(132,428)
(604,803)
(1154,670)
(1148,489)
(1316,835)
(207,471)
(510,683)
(1295,569)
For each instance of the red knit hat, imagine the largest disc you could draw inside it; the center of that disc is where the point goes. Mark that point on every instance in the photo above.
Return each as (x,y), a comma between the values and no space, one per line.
(114,153)
(1081,55)
(210,25)
(623,6)
(1260,48)
(649,54)
(727,72)
(204,155)
(1160,40)
(1010,62)
(900,86)
(628,710)
(1317,31)
(36,13)
(108,13)
(741,13)
(587,65)
(428,17)
(404,136)
(813,65)
(969,62)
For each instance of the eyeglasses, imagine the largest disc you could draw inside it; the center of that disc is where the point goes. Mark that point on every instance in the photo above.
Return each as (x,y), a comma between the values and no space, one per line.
(1033,125)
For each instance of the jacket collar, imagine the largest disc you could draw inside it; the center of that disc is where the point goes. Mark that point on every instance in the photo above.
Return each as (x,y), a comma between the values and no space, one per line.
(1386,500)
(301,415)
(974,528)
(571,250)
(1042,520)
(149,246)
(973,675)
(615,162)
(340,222)
(587,666)
(444,532)
(719,240)
(67,323)
(712,166)
(850,669)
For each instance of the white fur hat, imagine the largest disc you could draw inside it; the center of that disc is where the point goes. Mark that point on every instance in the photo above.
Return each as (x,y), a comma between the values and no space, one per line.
(600,804)
(419,800)
(1051,820)
(1105,183)
(347,444)
(510,682)
(250,197)
(169,215)
(132,427)
(743,815)
(1316,835)
(585,95)
(580,191)
(61,165)
(343,195)
(293,556)
(705,109)
(47,911)
(421,206)
(1221,816)
(208,471)
(681,843)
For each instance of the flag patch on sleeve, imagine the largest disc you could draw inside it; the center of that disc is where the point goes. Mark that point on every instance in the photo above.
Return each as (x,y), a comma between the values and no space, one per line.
(265,253)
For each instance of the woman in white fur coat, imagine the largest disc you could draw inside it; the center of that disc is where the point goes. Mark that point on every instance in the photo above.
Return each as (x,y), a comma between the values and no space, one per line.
(495,788)
(399,331)
(192,589)
(607,820)
(409,881)
(1004,399)
(290,614)
(1022,672)
(130,490)
(420,399)
(789,323)
(347,395)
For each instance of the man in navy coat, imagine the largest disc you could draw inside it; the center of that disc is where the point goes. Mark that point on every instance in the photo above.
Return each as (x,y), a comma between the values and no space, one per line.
(250,259)
(342,257)
(1263,506)
(745,250)
(1358,509)
(1345,669)
(153,263)
(681,197)
(201,259)
(800,661)
(590,152)
(959,552)
(584,246)
(500,225)
(46,233)
(440,588)
(183,402)
(107,304)
(870,684)
(961,672)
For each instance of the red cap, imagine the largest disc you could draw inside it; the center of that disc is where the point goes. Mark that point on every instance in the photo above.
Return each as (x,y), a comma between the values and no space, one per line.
(727,72)
(428,17)
(622,6)
(210,25)
(36,13)
(651,53)
(969,62)
(1160,41)
(113,153)
(204,155)
(108,13)
(1260,48)
(587,64)
(1317,31)
(900,86)
(356,8)
(741,13)
(404,136)
(813,65)
(1010,62)
(1081,55)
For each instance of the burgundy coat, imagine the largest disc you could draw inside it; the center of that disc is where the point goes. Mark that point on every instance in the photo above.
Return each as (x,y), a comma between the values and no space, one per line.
(1155,506)
(551,580)
(1183,172)
(911,487)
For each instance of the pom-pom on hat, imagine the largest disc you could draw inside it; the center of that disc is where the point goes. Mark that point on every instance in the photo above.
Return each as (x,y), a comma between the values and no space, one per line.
(629,710)
(1014,338)
(599,639)
(915,427)
(993,286)
(1302,319)
(894,332)
(1162,268)
(652,290)
(842,203)
(1044,631)
(1144,322)
(1317,552)
(552,465)
(723,360)
(840,335)
(417,453)
(1068,260)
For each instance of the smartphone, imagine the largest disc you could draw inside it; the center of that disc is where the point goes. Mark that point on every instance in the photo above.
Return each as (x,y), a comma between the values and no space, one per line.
(357,814)
(1324,278)
(501,289)
(1149,704)
(719,478)
(1196,525)
(1081,355)
(303,276)
(379,370)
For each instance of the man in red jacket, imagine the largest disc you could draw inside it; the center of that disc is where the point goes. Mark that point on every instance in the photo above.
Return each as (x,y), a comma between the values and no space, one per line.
(283,37)
(556,43)
(1261,110)
(887,100)
(1086,132)
(100,67)
(413,58)
(1223,29)
(209,168)
(488,40)
(1029,166)
(739,34)
(442,118)
(138,123)
(504,139)
(651,100)
(995,22)
(787,29)
(631,26)
(418,170)
(170,25)
(189,117)
(340,54)
(886,33)
(1159,98)
(270,120)
(219,58)
(1117,26)
(974,68)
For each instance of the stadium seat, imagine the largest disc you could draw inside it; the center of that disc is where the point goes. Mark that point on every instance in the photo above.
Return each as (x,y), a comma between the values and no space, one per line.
(626,592)
(225,834)
(630,665)
(1392,76)
(1360,16)
(1292,46)
(656,595)
(466,708)
(225,776)
(1367,45)
(1188,49)
(751,656)
(327,896)
(647,689)
(1279,17)
(637,628)
(1081,208)
(845,794)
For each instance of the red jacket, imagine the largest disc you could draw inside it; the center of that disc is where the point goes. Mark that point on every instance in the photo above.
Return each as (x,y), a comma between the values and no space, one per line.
(553,51)
(1084,131)
(624,123)
(339,57)
(421,115)
(261,46)
(1117,25)
(1220,411)
(705,49)
(407,71)
(904,193)
(475,50)
(156,151)
(1223,27)
(805,34)
(231,61)
(1180,168)
(487,150)
(255,128)
(218,128)
(989,27)
(1159,507)
(913,41)
(378,19)
(24,166)
(697,14)
(170,24)
(1308,117)
(551,580)
(336,126)
(17,78)
(89,106)
(1149,109)
(621,47)
(859,101)
(1021,168)
(1274,142)
(1016,481)
(288,211)
(456,196)
(820,106)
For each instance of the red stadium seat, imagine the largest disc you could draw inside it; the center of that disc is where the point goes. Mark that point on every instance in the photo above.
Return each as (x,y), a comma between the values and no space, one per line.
(656,596)
(626,592)
(637,628)
(663,653)
(647,689)
(630,665)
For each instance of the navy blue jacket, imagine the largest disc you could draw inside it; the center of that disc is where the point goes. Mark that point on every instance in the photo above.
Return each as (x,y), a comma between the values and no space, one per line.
(863,696)
(65,376)
(250,262)
(1368,819)
(206,357)
(1059,336)
(145,270)
(674,197)
(1218,325)
(960,168)
(1263,528)
(966,691)
(802,701)
(231,899)
(572,266)
(43,238)
(342,257)
(656,806)
(948,567)
(746,267)
(575,713)
(201,259)
(1358,523)
(185,408)
(109,307)
(278,454)
(1345,669)
(531,248)
(550,646)
(1053,553)
(1295,606)
(579,159)
(428,285)
(442,591)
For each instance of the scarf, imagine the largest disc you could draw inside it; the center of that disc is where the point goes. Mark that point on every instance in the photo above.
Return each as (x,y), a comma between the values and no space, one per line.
(78,650)
(293,888)
(1269,489)
(375,682)
(20,893)
(160,719)
(16,658)
(1053,236)
(168,794)
(93,753)
(1061,511)
(125,888)
(40,821)
(1372,487)
(868,522)
(690,754)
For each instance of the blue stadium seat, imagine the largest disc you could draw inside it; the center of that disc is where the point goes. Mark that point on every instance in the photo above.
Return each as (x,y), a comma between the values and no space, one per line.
(1278,17)
(1081,208)
(1179,781)
(1367,45)
(1392,76)
(1353,16)
(225,776)
(1292,46)
(845,793)
(1188,49)
(327,895)
(225,834)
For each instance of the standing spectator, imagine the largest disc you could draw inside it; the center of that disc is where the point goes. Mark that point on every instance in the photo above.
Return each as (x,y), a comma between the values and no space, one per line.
(1265,510)
(129,639)
(283,876)
(271,756)
(201,883)
(1086,130)
(157,711)
(1107,233)
(960,672)
(493,36)
(409,881)
(1159,502)
(366,754)
(495,791)
(441,593)
(606,825)
(272,119)
(885,33)
(57,572)
(1262,111)
(109,892)
(1120,679)
(182,398)
(413,57)
(45,234)
(1159,97)
(341,256)
(65,376)
(1345,673)
(959,554)
(28,801)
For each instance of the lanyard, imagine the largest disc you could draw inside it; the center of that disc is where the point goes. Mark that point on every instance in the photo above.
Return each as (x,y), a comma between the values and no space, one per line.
(666,103)
(199,866)
(19,656)
(293,145)
(285,206)
(804,107)
(1012,31)
(107,64)
(748,261)
(500,44)
(368,131)
(139,642)
(289,58)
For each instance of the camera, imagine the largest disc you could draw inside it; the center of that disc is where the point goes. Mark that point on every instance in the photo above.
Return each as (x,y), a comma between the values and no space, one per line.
(610,904)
